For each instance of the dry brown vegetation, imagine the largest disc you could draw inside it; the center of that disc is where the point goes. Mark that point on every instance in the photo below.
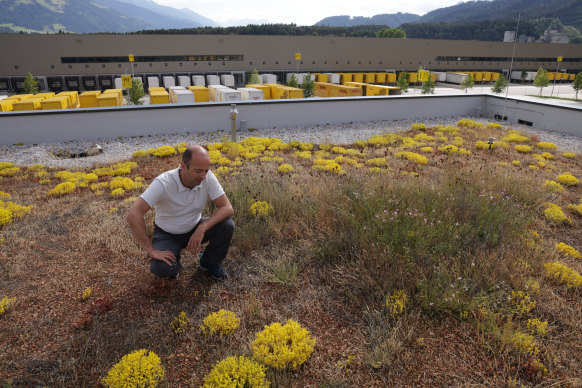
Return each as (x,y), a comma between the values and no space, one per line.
(460,241)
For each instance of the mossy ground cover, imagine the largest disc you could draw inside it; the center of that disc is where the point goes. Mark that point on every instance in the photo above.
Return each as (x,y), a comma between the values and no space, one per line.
(414,259)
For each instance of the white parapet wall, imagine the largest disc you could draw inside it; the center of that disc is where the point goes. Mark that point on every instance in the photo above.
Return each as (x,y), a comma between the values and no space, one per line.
(90,123)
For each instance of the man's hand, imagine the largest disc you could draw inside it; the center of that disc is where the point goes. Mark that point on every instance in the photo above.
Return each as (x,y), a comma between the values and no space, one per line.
(165,256)
(195,243)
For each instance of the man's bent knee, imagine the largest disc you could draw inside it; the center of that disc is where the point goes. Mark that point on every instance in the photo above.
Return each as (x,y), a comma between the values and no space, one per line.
(226,226)
(163,270)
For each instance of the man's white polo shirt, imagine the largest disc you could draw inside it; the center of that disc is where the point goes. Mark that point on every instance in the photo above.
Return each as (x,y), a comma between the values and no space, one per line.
(178,208)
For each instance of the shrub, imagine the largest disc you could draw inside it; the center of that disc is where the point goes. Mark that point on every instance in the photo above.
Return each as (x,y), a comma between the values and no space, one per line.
(220,322)
(546,145)
(567,179)
(62,189)
(237,372)
(567,250)
(553,186)
(555,215)
(563,274)
(260,209)
(140,368)
(413,157)
(523,148)
(283,346)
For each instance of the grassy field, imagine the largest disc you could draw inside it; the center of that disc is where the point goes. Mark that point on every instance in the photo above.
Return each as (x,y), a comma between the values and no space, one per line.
(414,259)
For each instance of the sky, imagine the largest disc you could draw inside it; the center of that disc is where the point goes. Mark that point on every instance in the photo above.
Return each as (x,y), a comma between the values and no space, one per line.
(301,12)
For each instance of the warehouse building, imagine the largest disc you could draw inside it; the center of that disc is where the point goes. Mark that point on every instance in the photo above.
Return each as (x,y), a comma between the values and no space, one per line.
(92,61)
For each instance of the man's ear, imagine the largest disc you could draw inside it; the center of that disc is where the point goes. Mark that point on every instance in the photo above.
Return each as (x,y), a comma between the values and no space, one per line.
(182,164)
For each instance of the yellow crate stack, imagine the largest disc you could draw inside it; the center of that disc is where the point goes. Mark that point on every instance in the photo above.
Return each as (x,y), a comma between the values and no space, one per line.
(56,102)
(380,78)
(390,78)
(201,93)
(158,97)
(89,99)
(44,95)
(346,77)
(377,90)
(361,85)
(320,77)
(369,78)
(495,76)
(110,97)
(322,89)
(344,91)
(6,105)
(30,103)
(73,98)
(358,77)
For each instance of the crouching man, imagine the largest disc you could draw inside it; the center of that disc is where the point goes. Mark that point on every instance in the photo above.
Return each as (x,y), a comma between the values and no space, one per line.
(179,197)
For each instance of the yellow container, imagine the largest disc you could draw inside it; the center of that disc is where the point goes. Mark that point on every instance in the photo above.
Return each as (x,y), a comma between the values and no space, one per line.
(413,78)
(495,76)
(57,102)
(390,78)
(159,97)
(565,76)
(108,99)
(346,77)
(571,77)
(89,98)
(201,93)
(361,85)
(321,78)
(6,106)
(118,93)
(27,104)
(73,98)
(322,89)
(265,88)
(486,76)
(44,95)
(380,78)
(344,91)
(551,76)
(158,89)
(369,78)
(358,77)
(280,92)
(377,90)
(479,76)
(20,97)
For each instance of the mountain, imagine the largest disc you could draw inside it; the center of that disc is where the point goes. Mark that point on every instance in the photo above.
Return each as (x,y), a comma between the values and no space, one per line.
(87,16)
(391,20)
(568,11)
(173,13)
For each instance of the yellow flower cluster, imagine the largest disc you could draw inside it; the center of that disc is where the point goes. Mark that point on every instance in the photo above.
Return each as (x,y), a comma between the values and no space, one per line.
(5,165)
(524,343)
(567,179)
(563,274)
(80,179)
(327,166)
(220,322)
(140,368)
(516,162)
(140,154)
(8,169)
(467,123)
(118,169)
(494,126)
(413,157)
(418,126)
(515,137)
(483,145)
(546,145)
(285,168)
(11,210)
(396,303)
(237,372)
(4,195)
(377,162)
(127,184)
(85,294)
(576,208)
(524,149)
(180,323)
(423,137)
(555,215)
(547,155)
(532,285)
(426,149)
(450,149)
(553,186)
(164,151)
(62,189)
(537,327)
(5,304)
(569,155)
(261,209)
(283,346)
(567,250)
(385,139)
(521,302)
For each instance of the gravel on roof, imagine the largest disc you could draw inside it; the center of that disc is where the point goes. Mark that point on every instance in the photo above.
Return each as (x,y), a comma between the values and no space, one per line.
(122,148)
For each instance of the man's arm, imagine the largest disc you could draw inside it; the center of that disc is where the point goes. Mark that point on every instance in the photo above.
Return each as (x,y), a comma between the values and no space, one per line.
(223,211)
(135,219)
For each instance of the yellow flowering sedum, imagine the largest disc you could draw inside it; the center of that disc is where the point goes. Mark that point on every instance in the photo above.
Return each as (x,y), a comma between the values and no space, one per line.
(124,183)
(220,322)
(537,327)
(261,209)
(515,137)
(396,303)
(524,149)
(163,151)
(62,189)
(418,126)
(546,145)
(140,154)
(237,372)
(285,168)
(11,210)
(569,155)
(85,294)
(524,343)
(180,323)
(377,162)
(567,250)
(4,195)
(494,126)
(567,179)
(140,368)
(553,186)
(5,304)
(563,274)
(413,157)
(283,346)
(426,149)
(576,208)
(555,215)
(522,302)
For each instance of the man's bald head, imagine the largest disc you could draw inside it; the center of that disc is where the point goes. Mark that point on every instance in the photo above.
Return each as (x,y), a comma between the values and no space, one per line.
(194,151)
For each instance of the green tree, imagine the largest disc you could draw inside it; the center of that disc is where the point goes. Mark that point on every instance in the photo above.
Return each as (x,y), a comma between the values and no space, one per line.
(428,86)
(30,84)
(577,83)
(293,81)
(402,82)
(391,33)
(136,92)
(308,85)
(499,85)
(468,82)
(523,76)
(254,77)
(541,79)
